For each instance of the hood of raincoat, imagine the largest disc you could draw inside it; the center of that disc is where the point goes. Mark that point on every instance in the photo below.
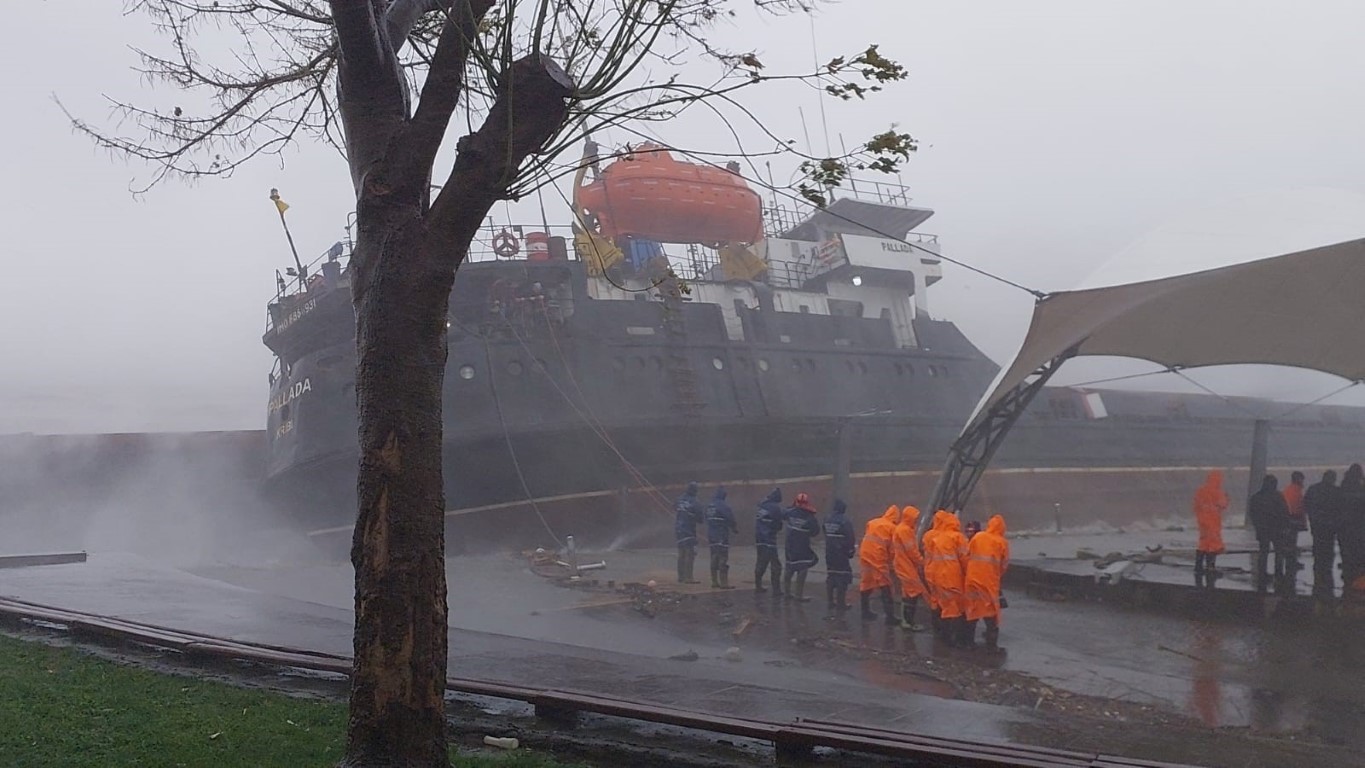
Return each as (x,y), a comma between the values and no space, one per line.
(1269,483)
(940,521)
(996,525)
(909,515)
(720,493)
(775,495)
(840,507)
(1214,479)
(892,513)
(691,489)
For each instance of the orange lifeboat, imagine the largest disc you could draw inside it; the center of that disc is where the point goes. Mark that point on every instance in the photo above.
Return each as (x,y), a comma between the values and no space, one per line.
(651,195)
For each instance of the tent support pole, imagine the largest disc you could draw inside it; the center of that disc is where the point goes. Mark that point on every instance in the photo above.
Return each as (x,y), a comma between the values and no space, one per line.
(971,453)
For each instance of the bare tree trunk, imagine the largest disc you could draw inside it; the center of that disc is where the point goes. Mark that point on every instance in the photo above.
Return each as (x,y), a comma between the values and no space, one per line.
(397,714)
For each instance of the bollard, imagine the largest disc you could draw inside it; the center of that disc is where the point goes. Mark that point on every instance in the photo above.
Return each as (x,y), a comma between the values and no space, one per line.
(1057,516)
(573,555)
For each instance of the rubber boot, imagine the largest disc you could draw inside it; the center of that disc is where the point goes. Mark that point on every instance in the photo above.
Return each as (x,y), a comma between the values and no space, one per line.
(992,636)
(841,599)
(692,567)
(868,615)
(682,566)
(758,581)
(715,575)
(801,587)
(829,597)
(725,577)
(889,606)
(966,633)
(908,615)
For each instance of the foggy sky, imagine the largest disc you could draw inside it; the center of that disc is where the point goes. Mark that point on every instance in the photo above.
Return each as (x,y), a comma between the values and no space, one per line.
(1054,136)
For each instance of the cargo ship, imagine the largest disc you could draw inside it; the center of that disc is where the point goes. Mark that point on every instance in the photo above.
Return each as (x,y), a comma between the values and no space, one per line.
(678,328)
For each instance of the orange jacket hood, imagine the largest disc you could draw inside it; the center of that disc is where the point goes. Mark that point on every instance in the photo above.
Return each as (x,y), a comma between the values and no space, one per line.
(893,514)
(996,525)
(1213,480)
(909,515)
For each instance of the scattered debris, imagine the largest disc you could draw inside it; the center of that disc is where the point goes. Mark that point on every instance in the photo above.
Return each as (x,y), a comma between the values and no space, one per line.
(742,628)
(732,654)
(689,656)
(498,741)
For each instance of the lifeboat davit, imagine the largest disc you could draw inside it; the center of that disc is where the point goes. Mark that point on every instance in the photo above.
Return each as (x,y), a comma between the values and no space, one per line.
(648,194)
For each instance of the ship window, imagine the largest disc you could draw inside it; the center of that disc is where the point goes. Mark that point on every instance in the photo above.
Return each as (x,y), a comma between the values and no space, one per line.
(796,364)
(862,367)
(657,362)
(900,369)
(717,363)
(466,372)
(515,368)
(762,364)
(640,330)
(805,310)
(743,363)
(640,363)
(933,370)
(851,366)
(909,369)
(810,363)
(618,363)
(785,339)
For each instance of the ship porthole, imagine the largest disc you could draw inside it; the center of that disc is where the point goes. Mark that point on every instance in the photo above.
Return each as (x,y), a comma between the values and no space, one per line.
(466,372)
(717,363)
(515,368)
(762,364)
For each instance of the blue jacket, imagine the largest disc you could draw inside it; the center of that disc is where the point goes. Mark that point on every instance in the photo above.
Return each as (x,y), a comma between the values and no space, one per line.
(802,527)
(687,515)
(839,539)
(720,520)
(768,522)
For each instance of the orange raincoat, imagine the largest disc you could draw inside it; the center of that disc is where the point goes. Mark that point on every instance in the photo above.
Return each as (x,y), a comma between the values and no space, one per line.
(909,562)
(988,555)
(945,561)
(874,553)
(1209,503)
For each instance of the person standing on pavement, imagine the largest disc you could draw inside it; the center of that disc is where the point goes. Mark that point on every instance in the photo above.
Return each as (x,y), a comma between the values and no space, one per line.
(687,515)
(945,565)
(909,565)
(839,551)
(1321,507)
(1210,502)
(988,555)
(802,527)
(1351,517)
(767,525)
(1293,498)
(1269,515)
(720,523)
(875,563)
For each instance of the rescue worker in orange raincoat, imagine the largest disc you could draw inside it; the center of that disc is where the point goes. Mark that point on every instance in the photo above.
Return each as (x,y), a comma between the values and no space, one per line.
(875,562)
(1209,503)
(988,555)
(945,565)
(909,563)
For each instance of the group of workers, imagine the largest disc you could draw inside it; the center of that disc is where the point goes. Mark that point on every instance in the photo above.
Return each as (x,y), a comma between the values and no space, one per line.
(958,575)
(1334,514)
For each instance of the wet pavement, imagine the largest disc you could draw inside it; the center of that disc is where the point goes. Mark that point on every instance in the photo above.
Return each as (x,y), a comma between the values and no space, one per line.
(509,624)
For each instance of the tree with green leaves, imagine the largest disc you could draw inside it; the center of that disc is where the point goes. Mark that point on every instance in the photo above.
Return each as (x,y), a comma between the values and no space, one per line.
(512,83)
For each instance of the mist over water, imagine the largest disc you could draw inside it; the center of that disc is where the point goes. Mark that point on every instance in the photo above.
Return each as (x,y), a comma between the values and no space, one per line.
(179,500)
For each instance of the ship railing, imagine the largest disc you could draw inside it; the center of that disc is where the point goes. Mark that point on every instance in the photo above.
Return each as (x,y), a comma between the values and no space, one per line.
(870,191)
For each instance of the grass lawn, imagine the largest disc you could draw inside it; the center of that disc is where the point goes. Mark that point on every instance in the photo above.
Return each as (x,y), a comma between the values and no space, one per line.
(60,707)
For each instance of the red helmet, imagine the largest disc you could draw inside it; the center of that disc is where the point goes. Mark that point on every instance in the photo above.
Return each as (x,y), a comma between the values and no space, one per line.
(802,500)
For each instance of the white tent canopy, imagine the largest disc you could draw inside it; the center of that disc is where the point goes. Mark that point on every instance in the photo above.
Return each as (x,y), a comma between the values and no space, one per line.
(1303,309)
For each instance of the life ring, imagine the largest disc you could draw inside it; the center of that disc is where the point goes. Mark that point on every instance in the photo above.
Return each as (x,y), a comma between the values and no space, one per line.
(505,244)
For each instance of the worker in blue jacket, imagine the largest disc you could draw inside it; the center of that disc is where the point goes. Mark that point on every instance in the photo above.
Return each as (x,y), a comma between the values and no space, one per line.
(840,547)
(687,515)
(802,527)
(767,525)
(720,523)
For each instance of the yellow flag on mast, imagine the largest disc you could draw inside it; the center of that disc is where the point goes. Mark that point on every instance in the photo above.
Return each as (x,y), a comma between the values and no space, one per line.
(281,205)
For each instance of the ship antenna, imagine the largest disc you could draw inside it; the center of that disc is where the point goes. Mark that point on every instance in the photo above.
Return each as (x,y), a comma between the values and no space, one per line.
(804,130)
(815,58)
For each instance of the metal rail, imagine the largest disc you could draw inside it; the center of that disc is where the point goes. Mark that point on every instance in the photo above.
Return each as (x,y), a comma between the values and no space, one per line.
(793,739)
